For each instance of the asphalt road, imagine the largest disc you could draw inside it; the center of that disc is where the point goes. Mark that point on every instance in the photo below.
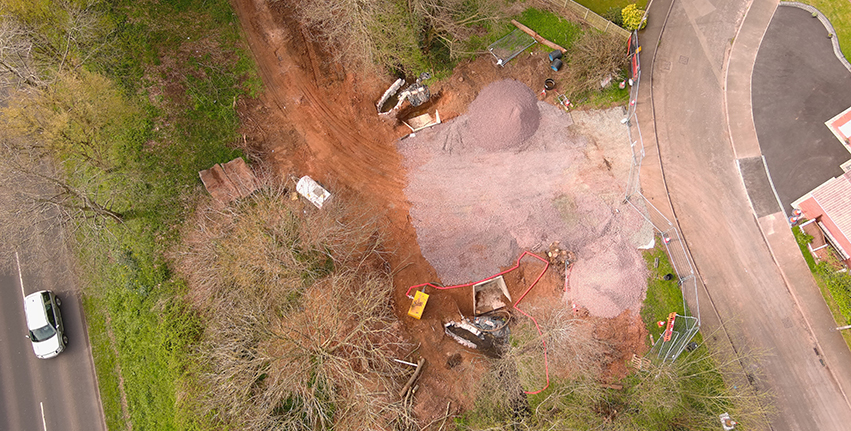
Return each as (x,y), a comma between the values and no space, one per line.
(798,84)
(55,394)
(746,300)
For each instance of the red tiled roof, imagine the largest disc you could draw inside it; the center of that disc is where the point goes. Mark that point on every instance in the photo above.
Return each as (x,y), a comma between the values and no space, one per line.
(834,196)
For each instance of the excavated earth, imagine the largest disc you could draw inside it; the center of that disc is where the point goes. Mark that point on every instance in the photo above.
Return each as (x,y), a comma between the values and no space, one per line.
(315,118)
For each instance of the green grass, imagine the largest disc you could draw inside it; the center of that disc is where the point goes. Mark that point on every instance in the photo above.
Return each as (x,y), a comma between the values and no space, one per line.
(608,97)
(551,27)
(835,287)
(129,283)
(105,362)
(839,14)
(601,7)
(663,297)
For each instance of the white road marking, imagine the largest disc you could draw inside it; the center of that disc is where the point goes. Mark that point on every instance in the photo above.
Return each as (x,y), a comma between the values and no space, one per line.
(43,422)
(20,277)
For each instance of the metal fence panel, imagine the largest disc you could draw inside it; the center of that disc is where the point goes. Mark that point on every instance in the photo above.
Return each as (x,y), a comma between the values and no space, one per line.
(510,46)
(687,325)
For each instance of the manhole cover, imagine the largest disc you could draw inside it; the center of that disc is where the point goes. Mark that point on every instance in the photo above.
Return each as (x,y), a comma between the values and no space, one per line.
(683,59)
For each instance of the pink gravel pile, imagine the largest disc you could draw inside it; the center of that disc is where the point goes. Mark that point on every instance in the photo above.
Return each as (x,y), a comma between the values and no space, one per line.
(604,281)
(476,206)
(515,108)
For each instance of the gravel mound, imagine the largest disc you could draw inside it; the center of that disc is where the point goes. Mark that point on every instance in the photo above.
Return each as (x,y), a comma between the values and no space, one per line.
(503,116)
(475,207)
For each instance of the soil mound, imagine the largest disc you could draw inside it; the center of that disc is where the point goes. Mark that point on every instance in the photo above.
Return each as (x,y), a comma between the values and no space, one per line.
(503,116)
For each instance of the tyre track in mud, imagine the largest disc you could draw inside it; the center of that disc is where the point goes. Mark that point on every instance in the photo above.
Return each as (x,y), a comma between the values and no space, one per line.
(350,148)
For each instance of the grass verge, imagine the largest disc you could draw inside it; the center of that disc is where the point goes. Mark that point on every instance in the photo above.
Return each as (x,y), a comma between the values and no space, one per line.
(835,287)
(182,62)
(839,14)
(663,296)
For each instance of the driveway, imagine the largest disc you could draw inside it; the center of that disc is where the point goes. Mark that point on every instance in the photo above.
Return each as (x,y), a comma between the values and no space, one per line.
(798,84)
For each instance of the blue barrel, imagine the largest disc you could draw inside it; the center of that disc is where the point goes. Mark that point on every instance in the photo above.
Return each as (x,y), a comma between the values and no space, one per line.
(556,65)
(554,55)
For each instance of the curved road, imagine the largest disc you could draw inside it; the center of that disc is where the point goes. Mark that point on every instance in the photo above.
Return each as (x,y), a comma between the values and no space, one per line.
(703,157)
(55,394)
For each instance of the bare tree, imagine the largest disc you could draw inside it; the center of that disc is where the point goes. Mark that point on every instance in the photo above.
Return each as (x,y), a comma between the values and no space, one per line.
(393,34)
(365,33)
(453,21)
(17,62)
(37,200)
(81,118)
(37,42)
(300,332)
(595,56)
(686,394)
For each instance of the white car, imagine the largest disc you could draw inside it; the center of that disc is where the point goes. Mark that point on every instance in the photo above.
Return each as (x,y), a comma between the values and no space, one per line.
(44,321)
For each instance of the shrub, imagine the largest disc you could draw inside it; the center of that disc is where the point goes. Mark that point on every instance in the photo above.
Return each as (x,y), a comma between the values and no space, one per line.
(632,16)
(614,15)
(299,328)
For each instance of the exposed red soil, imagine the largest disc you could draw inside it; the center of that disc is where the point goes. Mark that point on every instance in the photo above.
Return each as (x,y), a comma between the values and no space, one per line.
(316,119)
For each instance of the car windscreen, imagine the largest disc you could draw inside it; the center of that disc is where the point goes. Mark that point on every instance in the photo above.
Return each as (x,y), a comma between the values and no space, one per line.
(43,333)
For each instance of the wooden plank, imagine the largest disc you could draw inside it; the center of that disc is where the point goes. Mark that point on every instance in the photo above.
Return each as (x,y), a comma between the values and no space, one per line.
(218,185)
(537,36)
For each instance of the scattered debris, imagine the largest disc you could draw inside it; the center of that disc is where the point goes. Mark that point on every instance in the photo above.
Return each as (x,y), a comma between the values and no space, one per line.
(405,362)
(229,181)
(494,324)
(484,334)
(390,92)
(422,121)
(407,390)
(487,296)
(392,100)
(559,256)
(727,422)
(564,102)
(453,361)
(312,191)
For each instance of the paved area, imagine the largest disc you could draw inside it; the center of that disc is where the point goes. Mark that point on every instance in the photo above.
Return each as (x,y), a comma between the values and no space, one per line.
(754,295)
(798,84)
(758,186)
(45,394)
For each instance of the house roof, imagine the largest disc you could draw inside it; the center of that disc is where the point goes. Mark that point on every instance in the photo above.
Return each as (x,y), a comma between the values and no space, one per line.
(840,125)
(834,197)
